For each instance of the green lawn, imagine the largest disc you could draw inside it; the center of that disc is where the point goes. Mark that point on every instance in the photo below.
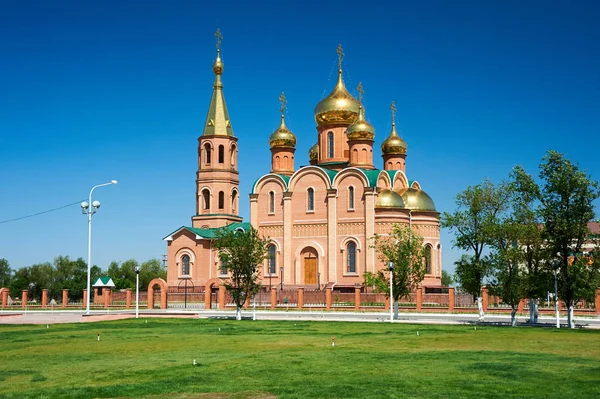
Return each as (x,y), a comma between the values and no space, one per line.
(261,359)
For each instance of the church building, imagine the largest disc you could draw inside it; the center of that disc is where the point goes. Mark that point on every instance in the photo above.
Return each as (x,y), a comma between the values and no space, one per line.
(320,218)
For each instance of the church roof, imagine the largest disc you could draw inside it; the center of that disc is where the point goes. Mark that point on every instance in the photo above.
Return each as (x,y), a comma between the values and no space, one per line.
(103,281)
(208,233)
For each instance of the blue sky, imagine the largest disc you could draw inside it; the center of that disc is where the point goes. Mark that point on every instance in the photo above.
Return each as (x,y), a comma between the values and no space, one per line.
(99,90)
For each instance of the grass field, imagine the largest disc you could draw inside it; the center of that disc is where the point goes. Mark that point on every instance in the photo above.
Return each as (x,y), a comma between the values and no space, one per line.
(262,359)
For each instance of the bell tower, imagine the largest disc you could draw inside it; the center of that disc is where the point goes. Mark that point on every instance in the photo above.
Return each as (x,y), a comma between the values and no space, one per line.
(217,178)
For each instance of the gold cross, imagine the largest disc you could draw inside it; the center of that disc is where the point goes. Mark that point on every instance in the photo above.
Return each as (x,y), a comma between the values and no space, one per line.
(283,102)
(219,37)
(340,53)
(361,91)
(393,108)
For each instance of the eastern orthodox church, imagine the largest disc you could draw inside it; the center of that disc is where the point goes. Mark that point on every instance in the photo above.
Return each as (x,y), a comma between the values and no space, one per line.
(321,217)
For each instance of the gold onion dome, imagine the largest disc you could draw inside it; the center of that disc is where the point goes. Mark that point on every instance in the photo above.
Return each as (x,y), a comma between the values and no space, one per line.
(313,153)
(393,144)
(389,199)
(282,137)
(416,200)
(361,129)
(338,107)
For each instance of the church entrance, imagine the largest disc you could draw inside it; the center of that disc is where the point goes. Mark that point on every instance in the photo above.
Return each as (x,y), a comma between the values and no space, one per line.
(309,258)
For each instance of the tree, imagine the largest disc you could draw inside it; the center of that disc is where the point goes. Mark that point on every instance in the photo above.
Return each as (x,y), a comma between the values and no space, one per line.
(404,249)
(477,210)
(567,198)
(447,279)
(123,275)
(5,273)
(68,274)
(242,252)
(150,270)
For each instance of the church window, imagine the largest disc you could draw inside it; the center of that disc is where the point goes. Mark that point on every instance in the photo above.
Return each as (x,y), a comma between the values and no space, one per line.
(223,269)
(272,260)
(428,259)
(351,250)
(351,197)
(234,202)
(271,202)
(206,198)
(330,144)
(310,200)
(207,153)
(221,200)
(185,265)
(221,154)
(233,156)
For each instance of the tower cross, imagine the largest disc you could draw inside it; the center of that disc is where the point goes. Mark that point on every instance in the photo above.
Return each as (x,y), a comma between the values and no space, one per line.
(219,37)
(361,91)
(393,108)
(283,102)
(340,53)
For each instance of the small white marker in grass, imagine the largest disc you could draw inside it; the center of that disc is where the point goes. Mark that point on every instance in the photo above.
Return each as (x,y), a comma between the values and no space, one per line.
(98,336)
(47,326)
(219,329)
(194,362)
(332,341)
(417,333)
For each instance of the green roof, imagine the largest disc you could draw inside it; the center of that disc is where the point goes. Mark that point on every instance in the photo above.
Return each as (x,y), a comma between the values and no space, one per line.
(391,174)
(372,176)
(212,233)
(286,180)
(330,173)
(103,281)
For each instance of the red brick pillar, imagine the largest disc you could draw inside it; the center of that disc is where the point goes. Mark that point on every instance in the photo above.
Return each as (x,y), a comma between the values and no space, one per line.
(6,292)
(110,297)
(207,296)
(273,298)
(484,298)
(300,298)
(419,298)
(451,299)
(521,306)
(64,304)
(128,295)
(106,295)
(95,297)
(222,297)
(65,301)
(328,300)
(163,298)
(45,297)
(356,298)
(597,301)
(24,298)
(387,303)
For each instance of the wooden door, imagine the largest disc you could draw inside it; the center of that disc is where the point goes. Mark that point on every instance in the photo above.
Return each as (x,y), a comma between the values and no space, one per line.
(310,270)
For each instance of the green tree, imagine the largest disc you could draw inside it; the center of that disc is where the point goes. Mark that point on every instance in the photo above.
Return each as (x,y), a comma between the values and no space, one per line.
(447,279)
(404,249)
(150,270)
(5,273)
(123,275)
(567,197)
(478,208)
(68,274)
(242,252)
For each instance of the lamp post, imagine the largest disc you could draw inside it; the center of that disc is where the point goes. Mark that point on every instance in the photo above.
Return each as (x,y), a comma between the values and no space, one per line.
(137,291)
(555,264)
(89,208)
(319,281)
(281,270)
(391,269)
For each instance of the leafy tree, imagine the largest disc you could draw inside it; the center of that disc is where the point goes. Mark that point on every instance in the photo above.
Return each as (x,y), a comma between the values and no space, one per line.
(5,273)
(404,249)
(447,279)
(68,274)
(123,275)
(567,197)
(242,252)
(478,208)
(150,270)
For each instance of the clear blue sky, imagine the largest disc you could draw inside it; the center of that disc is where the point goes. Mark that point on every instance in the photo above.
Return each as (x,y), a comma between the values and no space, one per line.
(98,90)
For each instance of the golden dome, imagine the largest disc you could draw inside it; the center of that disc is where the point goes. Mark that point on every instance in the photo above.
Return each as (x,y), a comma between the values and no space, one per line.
(393,144)
(313,153)
(338,107)
(389,199)
(282,137)
(416,200)
(361,129)
(218,64)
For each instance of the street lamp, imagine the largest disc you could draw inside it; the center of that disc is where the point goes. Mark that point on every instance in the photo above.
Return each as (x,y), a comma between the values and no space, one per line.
(89,208)
(281,270)
(555,264)
(391,269)
(137,291)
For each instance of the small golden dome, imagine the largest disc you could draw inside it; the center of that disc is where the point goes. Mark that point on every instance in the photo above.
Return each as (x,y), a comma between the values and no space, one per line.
(389,199)
(282,137)
(218,64)
(416,200)
(393,144)
(361,129)
(313,153)
(338,107)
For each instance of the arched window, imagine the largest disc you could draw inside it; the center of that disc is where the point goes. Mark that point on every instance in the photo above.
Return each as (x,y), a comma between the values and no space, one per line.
(310,200)
(185,265)
(234,202)
(330,144)
(207,153)
(428,259)
(223,269)
(271,202)
(351,250)
(221,200)
(233,156)
(272,260)
(221,154)
(350,197)
(206,198)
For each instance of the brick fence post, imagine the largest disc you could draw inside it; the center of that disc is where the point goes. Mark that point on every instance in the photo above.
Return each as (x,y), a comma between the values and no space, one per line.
(5,294)
(598,301)
(484,298)
(207,296)
(24,298)
(45,297)
(419,298)
(521,306)
(328,298)
(106,297)
(273,298)
(300,298)
(128,298)
(388,301)
(356,298)
(451,299)
(64,304)
(222,297)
